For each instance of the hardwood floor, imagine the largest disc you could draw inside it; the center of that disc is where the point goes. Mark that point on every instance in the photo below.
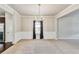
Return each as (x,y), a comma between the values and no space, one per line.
(5,46)
(43,47)
(1,48)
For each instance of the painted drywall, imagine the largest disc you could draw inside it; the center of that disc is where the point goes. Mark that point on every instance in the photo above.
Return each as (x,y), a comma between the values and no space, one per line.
(16,26)
(68,26)
(67,10)
(9,35)
(48,23)
(48,26)
(16,17)
(27,23)
(17,22)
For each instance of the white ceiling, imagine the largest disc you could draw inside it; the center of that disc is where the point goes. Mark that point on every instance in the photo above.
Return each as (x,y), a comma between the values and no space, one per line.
(33,9)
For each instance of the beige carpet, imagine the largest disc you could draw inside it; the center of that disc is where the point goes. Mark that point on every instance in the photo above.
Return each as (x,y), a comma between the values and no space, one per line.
(42,47)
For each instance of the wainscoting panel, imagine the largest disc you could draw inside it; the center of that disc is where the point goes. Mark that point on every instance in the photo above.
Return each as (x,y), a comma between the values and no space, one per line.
(29,35)
(49,35)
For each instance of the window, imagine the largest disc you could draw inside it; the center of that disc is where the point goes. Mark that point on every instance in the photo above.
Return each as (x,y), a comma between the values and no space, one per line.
(37,27)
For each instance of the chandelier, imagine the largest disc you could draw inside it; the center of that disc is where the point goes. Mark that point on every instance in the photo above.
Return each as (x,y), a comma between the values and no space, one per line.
(39,17)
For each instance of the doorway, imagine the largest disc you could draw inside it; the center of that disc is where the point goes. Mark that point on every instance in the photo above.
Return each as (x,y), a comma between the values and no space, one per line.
(2,34)
(37,29)
(2,29)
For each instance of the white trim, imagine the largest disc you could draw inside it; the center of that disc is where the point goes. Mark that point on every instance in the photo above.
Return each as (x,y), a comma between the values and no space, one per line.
(8,9)
(68,10)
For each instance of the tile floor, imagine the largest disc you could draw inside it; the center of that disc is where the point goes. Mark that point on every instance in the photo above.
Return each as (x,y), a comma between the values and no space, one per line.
(43,47)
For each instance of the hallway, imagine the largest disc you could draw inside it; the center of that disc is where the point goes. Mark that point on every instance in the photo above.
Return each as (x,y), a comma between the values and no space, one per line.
(43,47)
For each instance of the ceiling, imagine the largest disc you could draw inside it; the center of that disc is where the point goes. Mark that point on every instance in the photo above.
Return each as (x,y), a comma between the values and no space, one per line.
(33,9)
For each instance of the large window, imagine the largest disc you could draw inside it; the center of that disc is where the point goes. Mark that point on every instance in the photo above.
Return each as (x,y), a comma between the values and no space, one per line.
(37,27)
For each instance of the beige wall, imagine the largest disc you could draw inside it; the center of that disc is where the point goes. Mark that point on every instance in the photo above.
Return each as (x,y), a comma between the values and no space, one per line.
(48,23)
(68,26)
(17,22)
(27,23)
